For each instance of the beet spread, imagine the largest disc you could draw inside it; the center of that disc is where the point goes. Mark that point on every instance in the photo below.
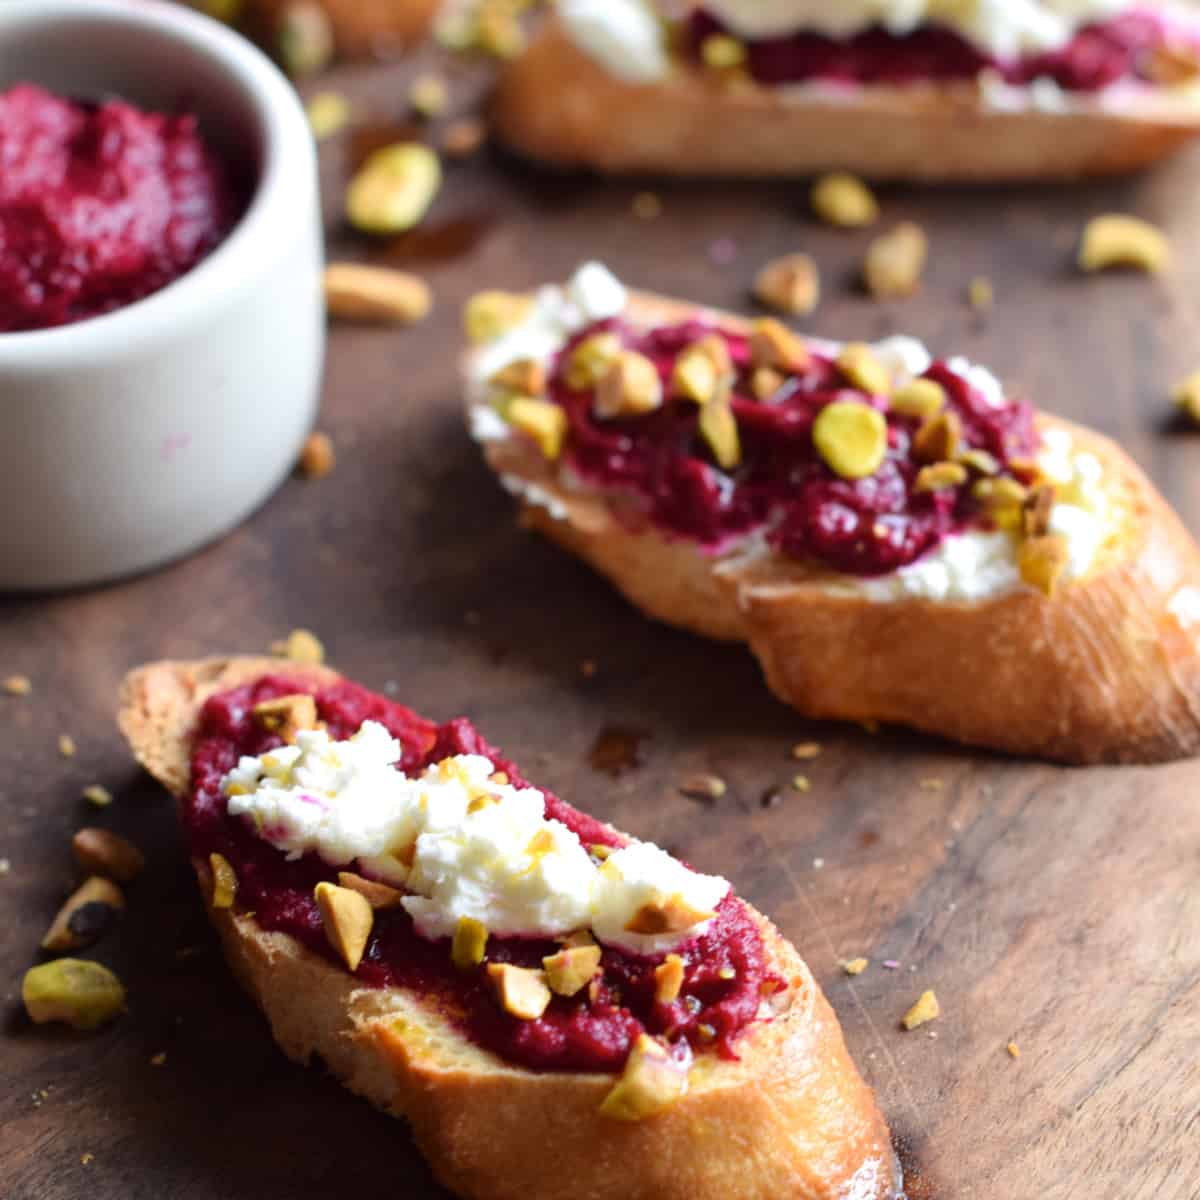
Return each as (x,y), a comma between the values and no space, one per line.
(576,1034)
(100,205)
(1099,55)
(868,526)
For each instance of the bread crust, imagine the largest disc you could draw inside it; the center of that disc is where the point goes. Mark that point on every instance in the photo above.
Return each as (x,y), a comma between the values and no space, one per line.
(690,125)
(792,1118)
(1108,670)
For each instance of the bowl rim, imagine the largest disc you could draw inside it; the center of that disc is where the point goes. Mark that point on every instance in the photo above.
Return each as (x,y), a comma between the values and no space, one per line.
(288,148)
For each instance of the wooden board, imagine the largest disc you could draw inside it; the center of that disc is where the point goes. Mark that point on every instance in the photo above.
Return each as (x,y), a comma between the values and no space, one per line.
(1056,908)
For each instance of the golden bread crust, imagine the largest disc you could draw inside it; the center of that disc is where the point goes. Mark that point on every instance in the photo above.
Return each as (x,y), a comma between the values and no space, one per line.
(1108,670)
(690,125)
(791,1118)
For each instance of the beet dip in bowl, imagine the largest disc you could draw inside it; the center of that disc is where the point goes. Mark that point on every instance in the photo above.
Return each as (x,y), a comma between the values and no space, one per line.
(161,320)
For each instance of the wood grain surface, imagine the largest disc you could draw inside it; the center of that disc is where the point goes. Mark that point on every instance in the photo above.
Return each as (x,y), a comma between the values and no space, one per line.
(1058,909)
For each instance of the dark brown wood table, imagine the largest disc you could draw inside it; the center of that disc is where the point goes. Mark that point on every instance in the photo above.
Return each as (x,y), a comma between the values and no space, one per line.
(1055,908)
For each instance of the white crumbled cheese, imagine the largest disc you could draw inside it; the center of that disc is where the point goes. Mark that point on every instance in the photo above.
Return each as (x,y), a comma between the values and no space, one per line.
(461,842)
(970,566)
(904,357)
(624,36)
(642,874)
(981,379)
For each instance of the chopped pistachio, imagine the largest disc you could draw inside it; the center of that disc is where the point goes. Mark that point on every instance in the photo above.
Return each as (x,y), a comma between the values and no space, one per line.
(925,1010)
(328,113)
(378,895)
(1186,394)
(703,785)
(287,715)
(861,369)
(1014,1051)
(920,398)
(722,52)
(591,360)
(981,295)
(668,979)
(571,969)
(17,685)
(347,918)
(1043,561)
(317,456)
(702,370)
(601,852)
(765,382)
(305,38)
(85,916)
(97,795)
(224,881)
(791,285)
(773,344)
(491,314)
(544,422)
(979,460)
(522,992)
(1117,240)
(855,966)
(718,427)
(525,376)
(66,745)
(83,994)
(497,30)
(804,751)
(393,189)
(939,438)
(101,852)
(429,95)
(300,646)
(851,438)
(895,260)
(630,387)
(1036,511)
(844,200)
(358,292)
(673,915)
(801,783)
(652,1081)
(940,477)
(469,943)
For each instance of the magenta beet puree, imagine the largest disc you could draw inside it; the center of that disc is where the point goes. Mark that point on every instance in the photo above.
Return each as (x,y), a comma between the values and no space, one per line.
(862,527)
(1099,55)
(575,1034)
(100,205)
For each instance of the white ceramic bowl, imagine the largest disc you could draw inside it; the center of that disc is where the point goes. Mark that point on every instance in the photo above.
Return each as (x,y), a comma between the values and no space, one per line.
(133,438)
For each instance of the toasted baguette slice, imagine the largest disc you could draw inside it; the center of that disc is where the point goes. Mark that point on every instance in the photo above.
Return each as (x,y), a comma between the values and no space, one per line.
(791,1118)
(359,26)
(556,104)
(1107,670)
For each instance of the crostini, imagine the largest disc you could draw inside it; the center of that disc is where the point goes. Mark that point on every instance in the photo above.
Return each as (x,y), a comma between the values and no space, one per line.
(557,1010)
(996,90)
(895,538)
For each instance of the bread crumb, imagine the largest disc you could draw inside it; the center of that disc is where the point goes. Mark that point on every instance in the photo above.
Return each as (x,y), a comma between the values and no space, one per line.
(1014,1051)
(588,668)
(87,1158)
(704,786)
(97,796)
(932,785)
(317,457)
(981,295)
(804,751)
(801,783)
(5,866)
(647,206)
(856,966)
(17,685)
(300,646)
(925,1010)
(66,745)
(464,137)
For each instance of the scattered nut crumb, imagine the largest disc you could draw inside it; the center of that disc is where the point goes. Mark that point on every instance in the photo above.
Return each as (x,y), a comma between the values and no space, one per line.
(932,785)
(328,114)
(89,1157)
(102,852)
(845,201)
(464,137)
(300,646)
(1186,394)
(1014,1051)
(588,668)
(305,40)
(5,866)
(97,795)
(66,745)
(981,296)
(856,966)
(895,260)
(317,457)
(801,783)
(704,786)
(158,1059)
(358,292)
(647,206)
(818,864)
(925,1010)
(804,751)
(17,685)
(392,191)
(429,95)
(1118,240)
(791,285)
